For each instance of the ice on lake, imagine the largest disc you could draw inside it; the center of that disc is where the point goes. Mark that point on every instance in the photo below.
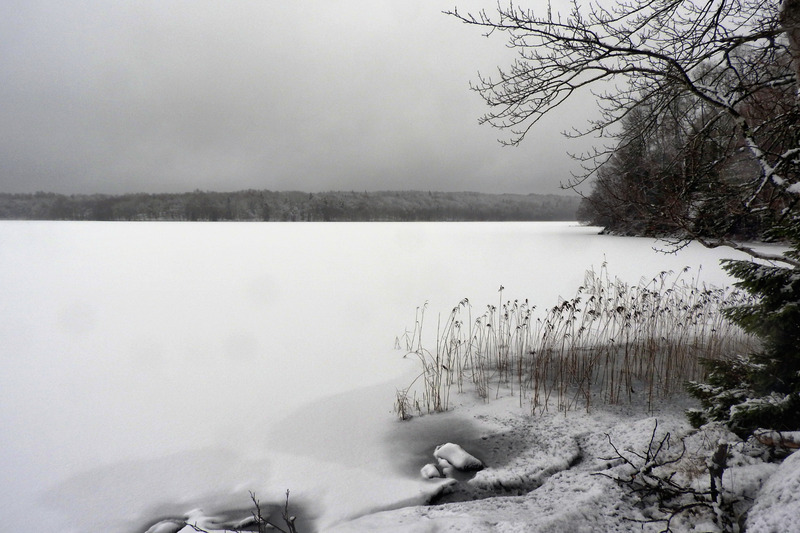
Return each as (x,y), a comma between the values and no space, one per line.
(147,369)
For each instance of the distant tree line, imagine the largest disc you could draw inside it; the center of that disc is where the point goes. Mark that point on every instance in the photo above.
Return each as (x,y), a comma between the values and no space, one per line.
(264,205)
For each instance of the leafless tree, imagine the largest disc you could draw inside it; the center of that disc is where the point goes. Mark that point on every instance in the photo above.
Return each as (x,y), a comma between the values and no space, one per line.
(703,64)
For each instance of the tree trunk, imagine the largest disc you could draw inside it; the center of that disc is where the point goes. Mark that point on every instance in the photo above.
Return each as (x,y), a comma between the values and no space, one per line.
(790,21)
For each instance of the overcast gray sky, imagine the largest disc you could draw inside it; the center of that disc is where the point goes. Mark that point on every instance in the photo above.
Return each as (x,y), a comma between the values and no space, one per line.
(120,96)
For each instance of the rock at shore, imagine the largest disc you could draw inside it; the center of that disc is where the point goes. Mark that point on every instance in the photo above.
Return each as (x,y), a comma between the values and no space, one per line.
(458,457)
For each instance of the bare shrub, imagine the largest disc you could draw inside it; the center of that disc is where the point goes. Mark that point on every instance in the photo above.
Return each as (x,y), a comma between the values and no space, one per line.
(650,476)
(259,521)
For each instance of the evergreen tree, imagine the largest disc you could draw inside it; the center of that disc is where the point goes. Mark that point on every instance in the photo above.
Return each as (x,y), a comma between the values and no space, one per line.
(759,390)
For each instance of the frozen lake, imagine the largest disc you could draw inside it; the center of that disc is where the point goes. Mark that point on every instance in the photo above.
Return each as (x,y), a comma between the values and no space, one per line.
(150,368)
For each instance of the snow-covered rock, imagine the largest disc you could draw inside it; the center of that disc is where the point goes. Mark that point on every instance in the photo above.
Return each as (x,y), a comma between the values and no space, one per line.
(446,468)
(777,506)
(458,457)
(167,526)
(430,471)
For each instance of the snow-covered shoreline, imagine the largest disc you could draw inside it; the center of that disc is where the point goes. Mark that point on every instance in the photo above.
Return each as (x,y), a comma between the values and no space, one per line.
(552,473)
(549,472)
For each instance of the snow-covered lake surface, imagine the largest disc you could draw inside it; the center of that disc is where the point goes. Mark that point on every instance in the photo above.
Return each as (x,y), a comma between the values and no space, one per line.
(149,369)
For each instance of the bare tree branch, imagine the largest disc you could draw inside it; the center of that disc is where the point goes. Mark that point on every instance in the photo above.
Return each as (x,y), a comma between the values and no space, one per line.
(715,72)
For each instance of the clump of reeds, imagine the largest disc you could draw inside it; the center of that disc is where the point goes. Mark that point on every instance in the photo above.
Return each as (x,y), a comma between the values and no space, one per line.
(441,368)
(611,342)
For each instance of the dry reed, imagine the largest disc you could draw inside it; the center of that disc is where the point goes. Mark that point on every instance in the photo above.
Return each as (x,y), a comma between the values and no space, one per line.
(612,342)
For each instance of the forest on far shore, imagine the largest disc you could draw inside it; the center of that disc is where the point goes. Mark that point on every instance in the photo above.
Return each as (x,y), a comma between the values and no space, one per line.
(294,206)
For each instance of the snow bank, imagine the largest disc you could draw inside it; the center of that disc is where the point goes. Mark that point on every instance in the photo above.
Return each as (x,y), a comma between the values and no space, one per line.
(777,507)
(553,473)
(539,475)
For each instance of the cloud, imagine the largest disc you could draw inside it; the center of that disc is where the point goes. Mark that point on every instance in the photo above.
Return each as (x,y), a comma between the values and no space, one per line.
(176,95)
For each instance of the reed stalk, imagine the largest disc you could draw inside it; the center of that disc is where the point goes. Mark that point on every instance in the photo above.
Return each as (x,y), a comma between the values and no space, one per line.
(612,342)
